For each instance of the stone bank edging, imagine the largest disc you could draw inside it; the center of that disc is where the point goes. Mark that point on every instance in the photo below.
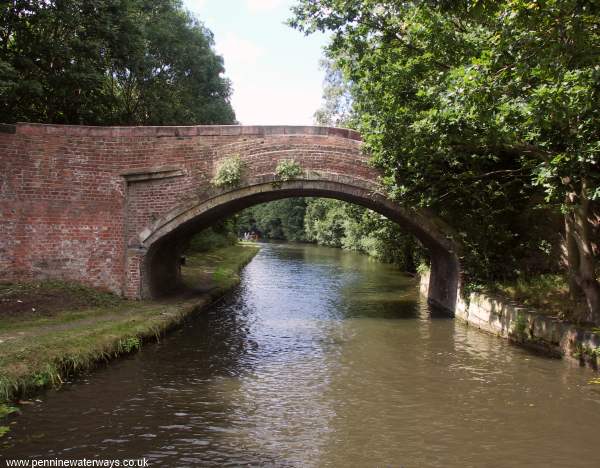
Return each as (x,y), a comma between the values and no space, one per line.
(525,327)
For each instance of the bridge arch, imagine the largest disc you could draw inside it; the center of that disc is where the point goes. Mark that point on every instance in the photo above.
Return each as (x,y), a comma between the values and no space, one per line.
(112,207)
(162,243)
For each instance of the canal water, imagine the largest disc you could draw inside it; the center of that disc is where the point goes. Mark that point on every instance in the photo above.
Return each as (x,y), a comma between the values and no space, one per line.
(321,358)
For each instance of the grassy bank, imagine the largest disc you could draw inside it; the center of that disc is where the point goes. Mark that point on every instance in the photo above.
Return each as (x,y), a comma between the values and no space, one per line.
(218,269)
(547,294)
(51,330)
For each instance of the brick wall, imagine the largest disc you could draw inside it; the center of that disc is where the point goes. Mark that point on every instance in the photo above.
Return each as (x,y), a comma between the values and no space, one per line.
(74,199)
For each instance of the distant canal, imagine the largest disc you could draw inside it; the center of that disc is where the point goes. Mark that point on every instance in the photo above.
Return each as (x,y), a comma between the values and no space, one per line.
(321,358)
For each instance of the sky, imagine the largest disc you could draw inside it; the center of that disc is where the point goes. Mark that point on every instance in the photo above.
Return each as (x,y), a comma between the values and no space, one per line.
(274,68)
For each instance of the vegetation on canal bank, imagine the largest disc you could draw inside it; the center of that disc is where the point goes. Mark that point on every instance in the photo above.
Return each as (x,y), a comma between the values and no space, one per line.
(522,313)
(68,328)
(333,223)
(486,113)
(548,294)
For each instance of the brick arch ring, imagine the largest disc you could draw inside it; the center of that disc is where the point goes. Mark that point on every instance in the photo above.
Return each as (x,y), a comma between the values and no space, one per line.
(161,243)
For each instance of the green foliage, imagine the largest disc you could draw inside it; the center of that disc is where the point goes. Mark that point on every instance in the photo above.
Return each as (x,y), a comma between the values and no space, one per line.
(339,224)
(336,110)
(229,172)
(130,344)
(477,110)
(280,219)
(5,410)
(423,268)
(219,235)
(547,294)
(109,62)
(520,326)
(220,275)
(586,352)
(324,222)
(4,430)
(333,223)
(288,169)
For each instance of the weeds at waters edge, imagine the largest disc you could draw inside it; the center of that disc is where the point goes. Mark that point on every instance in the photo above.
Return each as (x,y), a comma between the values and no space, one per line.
(548,294)
(5,410)
(54,357)
(520,327)
(43,351)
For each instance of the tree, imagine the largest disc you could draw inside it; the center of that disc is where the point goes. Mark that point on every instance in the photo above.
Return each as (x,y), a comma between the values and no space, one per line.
(279,219)
(471,107)
(108,62)
(336,110)
(339,224)
(325,221)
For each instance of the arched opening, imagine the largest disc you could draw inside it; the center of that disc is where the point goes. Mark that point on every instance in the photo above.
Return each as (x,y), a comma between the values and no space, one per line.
(164,243)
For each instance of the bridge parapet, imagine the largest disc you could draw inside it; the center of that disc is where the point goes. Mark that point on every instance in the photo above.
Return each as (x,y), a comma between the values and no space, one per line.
(179,131)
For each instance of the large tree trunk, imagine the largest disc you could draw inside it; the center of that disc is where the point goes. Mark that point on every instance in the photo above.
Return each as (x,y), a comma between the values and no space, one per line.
(571,261)
(580,253)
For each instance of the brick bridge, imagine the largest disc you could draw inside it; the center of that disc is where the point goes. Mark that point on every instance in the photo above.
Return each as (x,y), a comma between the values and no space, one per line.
(113,207)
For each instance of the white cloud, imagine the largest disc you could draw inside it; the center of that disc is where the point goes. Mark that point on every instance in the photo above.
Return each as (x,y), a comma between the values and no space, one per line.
(273,69)
(238,51)
(270,100)
(263,5)
(195,5)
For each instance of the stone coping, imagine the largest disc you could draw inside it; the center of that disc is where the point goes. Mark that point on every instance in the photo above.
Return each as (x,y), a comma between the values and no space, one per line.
(178,131)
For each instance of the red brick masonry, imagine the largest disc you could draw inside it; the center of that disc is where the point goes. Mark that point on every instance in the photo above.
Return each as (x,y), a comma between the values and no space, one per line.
(85,203)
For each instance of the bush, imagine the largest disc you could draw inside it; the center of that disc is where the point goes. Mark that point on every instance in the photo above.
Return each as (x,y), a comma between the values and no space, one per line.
(220,235)
(288,169)
(339,224)
(229,173)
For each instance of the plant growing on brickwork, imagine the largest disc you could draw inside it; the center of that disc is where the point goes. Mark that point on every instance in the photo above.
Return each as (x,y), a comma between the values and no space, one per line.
(520,327)
(287,169)
(229,172)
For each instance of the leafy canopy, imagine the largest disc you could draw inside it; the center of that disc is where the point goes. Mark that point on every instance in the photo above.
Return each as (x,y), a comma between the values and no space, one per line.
(108,62)
(472,106)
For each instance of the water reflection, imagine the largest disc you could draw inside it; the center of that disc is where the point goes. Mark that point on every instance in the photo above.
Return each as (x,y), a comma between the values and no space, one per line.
(321,358)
